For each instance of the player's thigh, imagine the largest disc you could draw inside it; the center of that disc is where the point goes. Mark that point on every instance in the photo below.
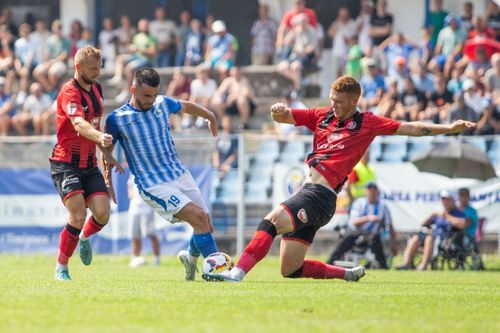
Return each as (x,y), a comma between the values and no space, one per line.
(292,254)
(166,199)
(281,217)
(96,196)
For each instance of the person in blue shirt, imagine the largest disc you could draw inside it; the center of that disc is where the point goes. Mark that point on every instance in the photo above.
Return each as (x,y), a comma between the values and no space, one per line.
(443,222)
(471,225)
(142,127)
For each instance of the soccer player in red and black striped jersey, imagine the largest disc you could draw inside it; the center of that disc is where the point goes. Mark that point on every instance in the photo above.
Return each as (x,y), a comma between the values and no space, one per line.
(73,162)
(341,136)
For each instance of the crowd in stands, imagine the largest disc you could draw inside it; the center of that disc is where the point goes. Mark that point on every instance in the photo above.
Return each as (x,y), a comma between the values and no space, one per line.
(451,72)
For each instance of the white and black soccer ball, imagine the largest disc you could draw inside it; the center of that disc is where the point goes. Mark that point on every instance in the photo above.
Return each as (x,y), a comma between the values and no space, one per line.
(217,262)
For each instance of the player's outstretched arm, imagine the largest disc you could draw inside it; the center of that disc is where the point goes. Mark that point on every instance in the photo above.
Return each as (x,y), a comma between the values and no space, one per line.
(85,129)
(418,128)
(282,114)
(199,111)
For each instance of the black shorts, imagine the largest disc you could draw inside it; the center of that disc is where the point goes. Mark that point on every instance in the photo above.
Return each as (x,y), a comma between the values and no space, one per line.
(70,180)
(310,209)
(232,109)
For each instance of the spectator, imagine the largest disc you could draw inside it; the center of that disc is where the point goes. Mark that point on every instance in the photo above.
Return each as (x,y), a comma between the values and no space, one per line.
(425,46)
(472,97)
(24,62)
(165,33)
(467,16)
(220,52)
(202,90)
(182,34)
(180,86)
(263,37)
(32,112)
(450,43)
(353,60)
(410,102)
(341,30)
(480,29)
(75,35)
(363,25)
(195,44)
(143,53)
(108,39)
(395,47)
(373,87)
(6,108)
(381,23)
(54,66)
(39,40)
(461,110)
(209,20)
(6,19)
(436,20)
(423,80)
(225,155)
(235,95)
(125,33)
(450,217)
(368,217)
(438,103)
(388,102)
(492,76)
(400,73)
(471,222)
(287,23)
(302,40)
(455,83)
(362,174)
(141,223)
(493,17)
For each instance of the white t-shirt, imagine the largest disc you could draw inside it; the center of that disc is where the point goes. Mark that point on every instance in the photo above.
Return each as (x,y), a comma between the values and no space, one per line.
(38,40)
(340,40)
(165,31)
(36,106)
(106,43)
(200,89)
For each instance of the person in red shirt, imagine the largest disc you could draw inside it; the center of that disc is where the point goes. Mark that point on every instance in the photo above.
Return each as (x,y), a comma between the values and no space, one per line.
(287,20)
(341,136)
(73,162)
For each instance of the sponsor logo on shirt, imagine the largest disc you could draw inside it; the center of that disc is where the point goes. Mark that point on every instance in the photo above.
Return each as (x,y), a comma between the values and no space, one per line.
(334,136)
(302,215)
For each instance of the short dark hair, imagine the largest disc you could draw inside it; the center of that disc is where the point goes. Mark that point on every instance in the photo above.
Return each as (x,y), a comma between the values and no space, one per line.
(464,190)
(147,76)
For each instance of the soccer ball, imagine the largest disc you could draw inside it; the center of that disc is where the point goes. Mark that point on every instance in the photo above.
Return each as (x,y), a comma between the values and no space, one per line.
(217,262)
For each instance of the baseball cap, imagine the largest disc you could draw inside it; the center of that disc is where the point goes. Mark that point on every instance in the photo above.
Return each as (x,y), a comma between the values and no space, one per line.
(218,26)
(370,62)
(468,84)
(445,195)
(371,184)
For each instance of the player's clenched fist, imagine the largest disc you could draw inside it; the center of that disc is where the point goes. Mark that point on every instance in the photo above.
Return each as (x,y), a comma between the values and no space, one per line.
(106,140)
(278,109)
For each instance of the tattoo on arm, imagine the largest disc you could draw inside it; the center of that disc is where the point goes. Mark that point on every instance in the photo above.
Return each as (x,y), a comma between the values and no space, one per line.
(425,131)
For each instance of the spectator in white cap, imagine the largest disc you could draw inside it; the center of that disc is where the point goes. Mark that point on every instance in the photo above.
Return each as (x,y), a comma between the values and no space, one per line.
(220,52)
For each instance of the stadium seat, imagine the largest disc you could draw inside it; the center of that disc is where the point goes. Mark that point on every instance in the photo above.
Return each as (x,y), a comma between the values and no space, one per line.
(293,151)
(419,145)
(394,150)
(268,150)
(256,192)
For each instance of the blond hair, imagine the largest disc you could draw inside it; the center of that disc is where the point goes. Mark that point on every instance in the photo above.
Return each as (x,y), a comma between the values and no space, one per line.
(88,51)
(347,84)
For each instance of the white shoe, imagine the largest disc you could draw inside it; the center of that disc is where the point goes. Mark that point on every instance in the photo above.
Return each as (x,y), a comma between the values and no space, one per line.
(122,97)
(137,262)
(221,277)
(357,273)
(190,267)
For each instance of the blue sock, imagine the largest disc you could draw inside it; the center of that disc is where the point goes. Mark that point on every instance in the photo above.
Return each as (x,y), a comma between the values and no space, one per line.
(205,243)
(192,249)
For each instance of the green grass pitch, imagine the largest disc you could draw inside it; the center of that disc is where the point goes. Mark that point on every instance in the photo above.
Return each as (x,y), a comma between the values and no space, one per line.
(110,297)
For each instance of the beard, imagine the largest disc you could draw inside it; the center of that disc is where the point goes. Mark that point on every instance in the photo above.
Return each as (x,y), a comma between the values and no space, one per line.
(87,80)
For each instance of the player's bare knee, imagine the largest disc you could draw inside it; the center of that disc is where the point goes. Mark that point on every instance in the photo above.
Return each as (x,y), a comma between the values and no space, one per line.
(199,220)
(102,217)
(77,219)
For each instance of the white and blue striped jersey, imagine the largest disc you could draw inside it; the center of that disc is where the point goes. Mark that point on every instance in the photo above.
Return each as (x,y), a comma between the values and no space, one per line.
(146,138)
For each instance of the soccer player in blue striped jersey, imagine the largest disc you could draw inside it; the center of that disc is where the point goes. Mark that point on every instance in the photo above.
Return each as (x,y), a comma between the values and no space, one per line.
(143,130)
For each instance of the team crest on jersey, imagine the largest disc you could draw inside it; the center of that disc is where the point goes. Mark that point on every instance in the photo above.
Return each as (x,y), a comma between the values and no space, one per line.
(351,125)
(72,107)
(302,215)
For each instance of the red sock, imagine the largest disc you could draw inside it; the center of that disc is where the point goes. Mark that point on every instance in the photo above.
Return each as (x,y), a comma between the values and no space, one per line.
(255,250)
(67,243)
(91,227)
(319,270)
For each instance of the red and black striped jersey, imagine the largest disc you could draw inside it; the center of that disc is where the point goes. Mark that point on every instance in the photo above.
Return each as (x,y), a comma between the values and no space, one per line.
(74,101)
(339,145)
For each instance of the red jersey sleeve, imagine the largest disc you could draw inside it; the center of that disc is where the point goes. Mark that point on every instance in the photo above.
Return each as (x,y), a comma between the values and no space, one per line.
(306,117)
(71,102)
(381,125)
